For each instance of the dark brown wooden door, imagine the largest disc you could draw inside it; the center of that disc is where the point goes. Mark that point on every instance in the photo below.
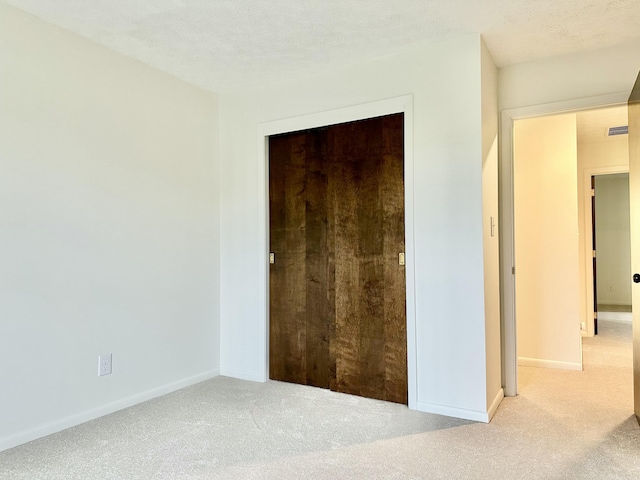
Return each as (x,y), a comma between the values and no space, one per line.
(301,278)
(337,291)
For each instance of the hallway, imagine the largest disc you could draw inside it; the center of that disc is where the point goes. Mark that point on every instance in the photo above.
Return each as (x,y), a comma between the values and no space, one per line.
(586,415)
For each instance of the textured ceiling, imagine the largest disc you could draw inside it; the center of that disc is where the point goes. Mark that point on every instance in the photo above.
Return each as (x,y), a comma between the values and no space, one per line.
(593,125)
(221,44)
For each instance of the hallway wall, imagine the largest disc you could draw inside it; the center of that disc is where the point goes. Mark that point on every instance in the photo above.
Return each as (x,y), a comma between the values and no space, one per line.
(613,239)
(546,242)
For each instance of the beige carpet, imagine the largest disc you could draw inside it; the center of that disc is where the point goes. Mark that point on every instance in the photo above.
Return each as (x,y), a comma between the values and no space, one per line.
(563,425)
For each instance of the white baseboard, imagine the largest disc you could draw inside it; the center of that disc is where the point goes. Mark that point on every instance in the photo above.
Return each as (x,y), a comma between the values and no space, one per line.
(475,415)
(622,317)
(495,404)
(538,362)
(82,417)
(243,375)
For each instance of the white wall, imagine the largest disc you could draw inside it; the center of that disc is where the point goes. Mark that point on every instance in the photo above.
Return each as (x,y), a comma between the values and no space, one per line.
(108,230)
(546,242)
(490,216)
(594,158)
(567,77)
(612,239)
(445,82)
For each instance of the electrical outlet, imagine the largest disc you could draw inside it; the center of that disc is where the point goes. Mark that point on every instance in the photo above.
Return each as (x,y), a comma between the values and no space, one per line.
(104,364)
(611,288)
(583,326)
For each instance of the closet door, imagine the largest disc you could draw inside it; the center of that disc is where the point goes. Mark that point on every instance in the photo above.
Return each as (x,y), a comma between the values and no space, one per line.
(337,291)
(369,343)
(301,294)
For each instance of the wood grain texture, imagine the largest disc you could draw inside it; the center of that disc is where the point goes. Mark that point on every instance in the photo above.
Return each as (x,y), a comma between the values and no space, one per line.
(337,302)
(287,297)
(319,277)
(394,274)
(370,332)
(346,338)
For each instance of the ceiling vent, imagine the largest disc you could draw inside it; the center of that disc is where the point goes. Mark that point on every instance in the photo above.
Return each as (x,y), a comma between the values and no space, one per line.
(624,130)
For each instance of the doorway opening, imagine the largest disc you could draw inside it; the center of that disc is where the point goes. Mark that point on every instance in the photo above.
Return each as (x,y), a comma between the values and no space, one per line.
(611,249)
(608,340)
(568,300)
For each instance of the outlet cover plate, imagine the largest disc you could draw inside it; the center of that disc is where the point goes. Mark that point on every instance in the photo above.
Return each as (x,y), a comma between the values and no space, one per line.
(104,364)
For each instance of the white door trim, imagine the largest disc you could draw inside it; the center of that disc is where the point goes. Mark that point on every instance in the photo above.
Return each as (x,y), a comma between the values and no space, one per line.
(507,251)
(403,104)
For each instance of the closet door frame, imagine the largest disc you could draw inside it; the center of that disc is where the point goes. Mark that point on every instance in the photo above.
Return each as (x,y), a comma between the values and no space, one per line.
(403,104)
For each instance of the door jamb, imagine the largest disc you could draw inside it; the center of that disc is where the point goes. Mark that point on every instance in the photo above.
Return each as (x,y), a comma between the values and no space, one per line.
(402,104)
(507,249)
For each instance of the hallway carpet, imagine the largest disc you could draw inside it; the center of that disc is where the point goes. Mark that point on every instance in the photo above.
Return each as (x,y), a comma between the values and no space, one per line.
(563,425)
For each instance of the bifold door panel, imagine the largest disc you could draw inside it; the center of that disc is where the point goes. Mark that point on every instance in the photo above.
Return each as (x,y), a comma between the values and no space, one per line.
(337,281)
